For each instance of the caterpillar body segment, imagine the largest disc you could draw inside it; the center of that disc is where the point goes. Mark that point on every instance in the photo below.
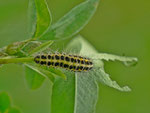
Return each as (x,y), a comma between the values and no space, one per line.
(69,62)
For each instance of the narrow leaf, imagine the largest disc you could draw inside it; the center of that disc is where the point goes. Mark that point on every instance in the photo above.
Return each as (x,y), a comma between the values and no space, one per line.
(39,17)
(43,17)
(55,71)
(104,78)
(31,18)
(47,73)
(72,22)
(126,60)
(34,77)
(4,102)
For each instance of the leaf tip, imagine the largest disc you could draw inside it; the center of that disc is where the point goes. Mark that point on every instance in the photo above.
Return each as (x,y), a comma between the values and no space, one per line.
(133,62)
(126,89)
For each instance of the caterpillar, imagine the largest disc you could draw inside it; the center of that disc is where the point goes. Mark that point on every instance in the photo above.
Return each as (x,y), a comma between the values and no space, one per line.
(69,62)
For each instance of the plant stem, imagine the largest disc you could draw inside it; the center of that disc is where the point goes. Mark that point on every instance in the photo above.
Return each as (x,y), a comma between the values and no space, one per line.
(16,60)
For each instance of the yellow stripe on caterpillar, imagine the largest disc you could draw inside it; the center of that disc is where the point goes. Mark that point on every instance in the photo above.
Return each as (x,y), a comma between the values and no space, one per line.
(70,62)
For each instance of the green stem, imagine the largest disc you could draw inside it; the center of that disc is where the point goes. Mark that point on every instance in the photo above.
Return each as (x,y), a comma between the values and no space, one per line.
(16,60)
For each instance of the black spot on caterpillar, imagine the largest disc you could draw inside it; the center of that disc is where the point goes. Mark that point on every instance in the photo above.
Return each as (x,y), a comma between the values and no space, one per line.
(70,62)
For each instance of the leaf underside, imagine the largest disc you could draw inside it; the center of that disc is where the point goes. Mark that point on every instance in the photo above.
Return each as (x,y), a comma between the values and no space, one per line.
(71,23)
(85,88)
(86,93)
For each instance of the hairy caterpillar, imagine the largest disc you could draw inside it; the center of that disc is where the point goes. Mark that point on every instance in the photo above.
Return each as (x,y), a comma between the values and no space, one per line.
(70,62)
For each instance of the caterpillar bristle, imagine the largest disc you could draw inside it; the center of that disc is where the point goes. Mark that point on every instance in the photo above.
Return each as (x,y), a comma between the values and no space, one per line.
(67,61)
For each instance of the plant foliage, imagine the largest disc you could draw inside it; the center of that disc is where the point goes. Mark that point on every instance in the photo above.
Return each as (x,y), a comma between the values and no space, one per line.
(72,92)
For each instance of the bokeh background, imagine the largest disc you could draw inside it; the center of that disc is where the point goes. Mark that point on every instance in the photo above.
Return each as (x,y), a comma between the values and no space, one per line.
(119,27)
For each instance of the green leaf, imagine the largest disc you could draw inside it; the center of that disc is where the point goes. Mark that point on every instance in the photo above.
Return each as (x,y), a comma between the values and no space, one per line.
(86,86)
(82,87)
(128,61)
(72,22)
(99,73)
(72,96)
(104,78)
(57,72)
(54,71)
(31,18)
(81,46)
(86,93)
(34,77)
(13,110)
(47,73)
(63,96)
(78,90)
(39,17)
(4,102)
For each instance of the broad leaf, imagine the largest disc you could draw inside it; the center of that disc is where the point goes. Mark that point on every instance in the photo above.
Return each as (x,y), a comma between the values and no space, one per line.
(84,85)
(63,96)
(4,102)
(86,93)
(39,17)
(84,88)
(34,77)
(72,22)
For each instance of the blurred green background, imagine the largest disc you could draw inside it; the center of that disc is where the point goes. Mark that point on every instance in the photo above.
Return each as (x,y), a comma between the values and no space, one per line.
(119,27)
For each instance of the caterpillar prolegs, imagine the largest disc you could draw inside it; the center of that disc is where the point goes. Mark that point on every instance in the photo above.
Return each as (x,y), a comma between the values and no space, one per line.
(69,62)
